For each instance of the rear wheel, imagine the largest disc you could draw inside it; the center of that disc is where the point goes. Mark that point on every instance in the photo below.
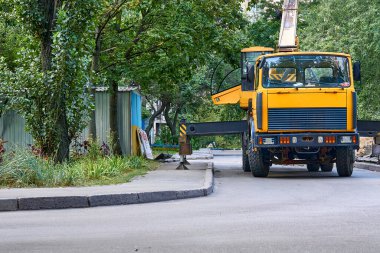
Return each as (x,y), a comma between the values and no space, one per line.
(344,161)
(313,167)
(259,167)
(328,167)
(244,144)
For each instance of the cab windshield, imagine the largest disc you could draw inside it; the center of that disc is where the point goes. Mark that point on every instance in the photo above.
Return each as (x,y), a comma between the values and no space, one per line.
(306,71)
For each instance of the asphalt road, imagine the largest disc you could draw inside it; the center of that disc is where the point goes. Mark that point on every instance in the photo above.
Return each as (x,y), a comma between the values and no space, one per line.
(291,211)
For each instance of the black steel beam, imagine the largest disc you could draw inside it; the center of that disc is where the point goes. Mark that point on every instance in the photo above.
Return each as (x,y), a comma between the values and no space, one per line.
(368,128)
(216,128)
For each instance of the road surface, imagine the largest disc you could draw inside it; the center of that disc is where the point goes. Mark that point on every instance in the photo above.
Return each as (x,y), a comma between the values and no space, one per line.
(291,211)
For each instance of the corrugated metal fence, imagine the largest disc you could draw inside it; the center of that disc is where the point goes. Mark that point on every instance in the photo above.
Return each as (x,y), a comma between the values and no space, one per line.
(12,130)
(12,125)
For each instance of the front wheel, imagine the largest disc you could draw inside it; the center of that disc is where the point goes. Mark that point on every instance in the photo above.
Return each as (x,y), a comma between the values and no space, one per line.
(259,167)
(345,161)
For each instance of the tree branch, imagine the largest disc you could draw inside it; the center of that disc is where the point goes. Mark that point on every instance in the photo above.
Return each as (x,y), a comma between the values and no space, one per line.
(149,50)
(157,113)
(109,15)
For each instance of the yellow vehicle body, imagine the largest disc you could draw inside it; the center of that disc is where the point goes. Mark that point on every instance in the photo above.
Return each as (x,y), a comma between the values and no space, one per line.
(230,96)
(304,98)
(291,98)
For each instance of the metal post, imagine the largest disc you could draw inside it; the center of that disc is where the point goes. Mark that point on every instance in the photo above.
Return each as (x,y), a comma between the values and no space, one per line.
(376,147)
(184,146)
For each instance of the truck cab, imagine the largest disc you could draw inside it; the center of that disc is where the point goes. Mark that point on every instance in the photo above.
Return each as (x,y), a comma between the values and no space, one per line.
(302,108)
(241,94)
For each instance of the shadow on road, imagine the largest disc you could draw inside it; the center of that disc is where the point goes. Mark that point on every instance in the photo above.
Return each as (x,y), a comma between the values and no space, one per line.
(286,172)
(300,173)
(230,167)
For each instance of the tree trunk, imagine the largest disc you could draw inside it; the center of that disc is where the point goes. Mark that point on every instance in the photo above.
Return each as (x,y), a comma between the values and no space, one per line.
(153,117)
(49,11)
(175,119)
(114,134)
(63,152)
(171,123)
(95,69)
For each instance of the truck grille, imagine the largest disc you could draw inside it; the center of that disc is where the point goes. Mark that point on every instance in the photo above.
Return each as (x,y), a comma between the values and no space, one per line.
(307,119)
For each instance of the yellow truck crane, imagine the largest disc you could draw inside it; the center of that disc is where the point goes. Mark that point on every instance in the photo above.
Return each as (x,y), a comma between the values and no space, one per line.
(301,106)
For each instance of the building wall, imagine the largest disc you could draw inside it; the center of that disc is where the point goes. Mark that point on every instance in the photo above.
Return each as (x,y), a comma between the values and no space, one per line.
(136,121)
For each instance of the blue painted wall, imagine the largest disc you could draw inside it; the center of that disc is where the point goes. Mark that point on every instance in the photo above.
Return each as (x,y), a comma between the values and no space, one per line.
(136,116)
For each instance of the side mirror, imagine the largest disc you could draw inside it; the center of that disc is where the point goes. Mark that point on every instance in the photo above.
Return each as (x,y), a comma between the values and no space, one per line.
(357,74)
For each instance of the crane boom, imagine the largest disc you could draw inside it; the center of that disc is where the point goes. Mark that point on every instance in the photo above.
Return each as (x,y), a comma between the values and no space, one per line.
(288,34)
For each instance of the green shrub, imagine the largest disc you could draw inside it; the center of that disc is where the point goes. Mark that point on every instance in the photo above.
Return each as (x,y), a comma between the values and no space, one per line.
(137,162)
(22,168)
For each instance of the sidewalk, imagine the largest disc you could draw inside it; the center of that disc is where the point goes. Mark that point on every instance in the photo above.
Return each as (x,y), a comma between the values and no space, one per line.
(201,154)
(165,183)
(367,163)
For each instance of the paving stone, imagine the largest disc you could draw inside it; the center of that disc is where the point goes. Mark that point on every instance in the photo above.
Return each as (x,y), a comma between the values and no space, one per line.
(52,202)
(190,193)
(146,197)
(8,204)
(113,199)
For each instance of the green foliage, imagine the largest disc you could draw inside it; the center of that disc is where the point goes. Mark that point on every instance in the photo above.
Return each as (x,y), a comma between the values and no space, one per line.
(264,30)
(350,26)
(93,150)
(23,169)
(168,47)
(42,95)
(169,53)
(165,136)
(10,37)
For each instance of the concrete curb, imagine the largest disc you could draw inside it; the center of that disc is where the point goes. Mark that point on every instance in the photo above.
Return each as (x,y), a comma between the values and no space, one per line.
(62,202)
(367,166)
(8,205)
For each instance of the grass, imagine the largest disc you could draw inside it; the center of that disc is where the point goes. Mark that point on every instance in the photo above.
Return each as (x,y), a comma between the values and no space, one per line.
(21,168)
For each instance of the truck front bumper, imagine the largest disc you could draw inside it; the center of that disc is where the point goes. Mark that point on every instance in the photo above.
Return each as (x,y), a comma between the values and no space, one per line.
(307,140)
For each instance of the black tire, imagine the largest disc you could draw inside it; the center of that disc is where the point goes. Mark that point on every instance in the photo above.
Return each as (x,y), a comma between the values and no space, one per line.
(344,161)
(259,167)
(245,159)
(313,167)
(328,167)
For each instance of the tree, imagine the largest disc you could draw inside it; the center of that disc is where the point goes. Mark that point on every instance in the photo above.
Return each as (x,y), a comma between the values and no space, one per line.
(327,28)
(155,43)
(265,28)
(179,81)
(47,86)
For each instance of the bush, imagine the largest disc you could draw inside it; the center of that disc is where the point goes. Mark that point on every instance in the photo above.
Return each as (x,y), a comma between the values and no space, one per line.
(165,136)
(21,168)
